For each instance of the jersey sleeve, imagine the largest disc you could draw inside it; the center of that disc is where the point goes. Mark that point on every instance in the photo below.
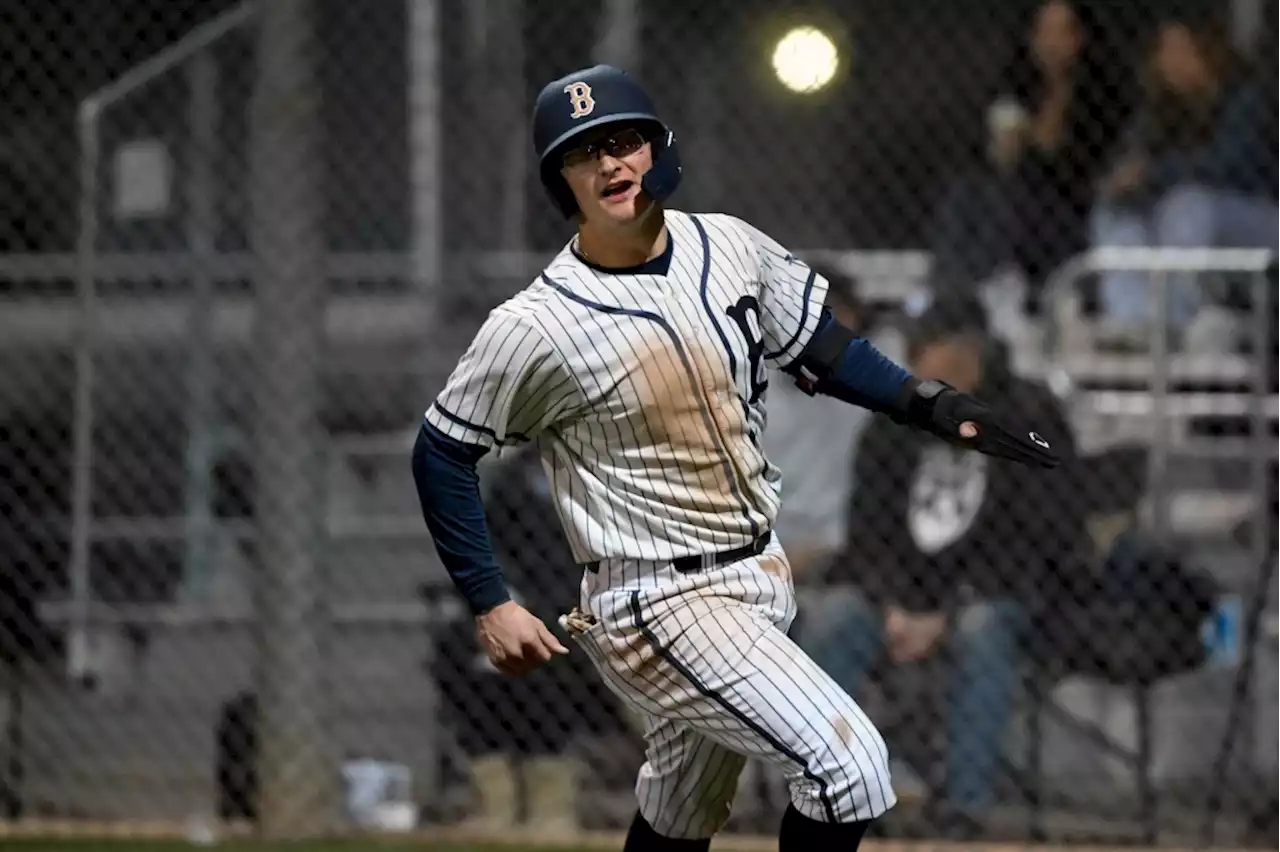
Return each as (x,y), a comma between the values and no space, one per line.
(791,298)
(510,385)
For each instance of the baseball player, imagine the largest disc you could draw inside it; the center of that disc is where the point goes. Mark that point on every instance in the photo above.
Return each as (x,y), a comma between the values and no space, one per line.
(639,362)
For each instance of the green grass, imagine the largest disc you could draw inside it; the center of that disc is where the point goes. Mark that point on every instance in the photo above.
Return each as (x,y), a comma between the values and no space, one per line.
(51,845)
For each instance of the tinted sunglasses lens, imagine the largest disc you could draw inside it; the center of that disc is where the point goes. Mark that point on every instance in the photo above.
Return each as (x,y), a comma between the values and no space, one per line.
(625,142)
(621,144)
(578,156)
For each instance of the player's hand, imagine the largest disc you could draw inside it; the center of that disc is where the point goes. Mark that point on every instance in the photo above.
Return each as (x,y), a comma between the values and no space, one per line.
(910,637)
(515,640)
(968,422)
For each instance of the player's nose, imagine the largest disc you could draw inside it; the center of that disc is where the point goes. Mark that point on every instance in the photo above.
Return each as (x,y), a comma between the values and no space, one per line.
(608,165)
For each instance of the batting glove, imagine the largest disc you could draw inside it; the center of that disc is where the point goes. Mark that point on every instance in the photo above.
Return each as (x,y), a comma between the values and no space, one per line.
(940,409)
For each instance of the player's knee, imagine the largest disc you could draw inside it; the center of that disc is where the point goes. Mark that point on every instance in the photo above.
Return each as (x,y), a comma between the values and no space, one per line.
(854,786)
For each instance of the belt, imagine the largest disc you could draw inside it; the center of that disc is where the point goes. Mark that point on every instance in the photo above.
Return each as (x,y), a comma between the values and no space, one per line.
(704,561)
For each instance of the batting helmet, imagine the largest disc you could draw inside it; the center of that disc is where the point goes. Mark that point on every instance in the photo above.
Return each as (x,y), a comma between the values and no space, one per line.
(591,98)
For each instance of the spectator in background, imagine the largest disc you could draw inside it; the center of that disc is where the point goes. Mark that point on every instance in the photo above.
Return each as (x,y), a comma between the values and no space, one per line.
(811,441)
(1053,119)
(1197,167)
(951,554)
(520,733)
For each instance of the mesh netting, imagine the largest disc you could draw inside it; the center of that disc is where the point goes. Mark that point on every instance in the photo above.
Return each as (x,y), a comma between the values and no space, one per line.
(242,246)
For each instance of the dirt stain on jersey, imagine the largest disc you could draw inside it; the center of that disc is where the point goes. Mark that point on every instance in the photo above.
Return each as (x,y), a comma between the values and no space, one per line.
(844,731)
(672,407)
(775,565)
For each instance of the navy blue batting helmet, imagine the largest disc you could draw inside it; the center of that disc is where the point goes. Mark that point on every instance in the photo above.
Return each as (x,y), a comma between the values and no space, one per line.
(588,99)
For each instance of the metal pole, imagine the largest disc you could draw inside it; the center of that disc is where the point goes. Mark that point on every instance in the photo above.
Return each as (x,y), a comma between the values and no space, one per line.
(1264,312)
(425,141)
(619,37)
(1242,714)
(1160,408)
(509,59)
(298,786)
(87,117)
(1261,462)
(425,144)
(202,80)
(428,244)
(175,54)
(1247,23)
(82,427)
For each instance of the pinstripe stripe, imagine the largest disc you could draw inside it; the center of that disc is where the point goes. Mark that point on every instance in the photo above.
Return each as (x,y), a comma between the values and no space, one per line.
(777,745)
(731,471)
(811,689)
(483,430)
(804,316)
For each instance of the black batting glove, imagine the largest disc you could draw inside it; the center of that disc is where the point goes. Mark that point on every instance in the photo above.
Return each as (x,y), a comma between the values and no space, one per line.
(941,410)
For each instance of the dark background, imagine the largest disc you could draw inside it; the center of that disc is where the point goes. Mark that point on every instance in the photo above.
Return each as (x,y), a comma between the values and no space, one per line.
(859,166)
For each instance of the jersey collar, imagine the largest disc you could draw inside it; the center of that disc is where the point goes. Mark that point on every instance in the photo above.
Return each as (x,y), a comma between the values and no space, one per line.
(657,266)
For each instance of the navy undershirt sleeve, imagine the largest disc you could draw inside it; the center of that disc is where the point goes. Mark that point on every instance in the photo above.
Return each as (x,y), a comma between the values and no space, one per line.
(444,470)
(861,375)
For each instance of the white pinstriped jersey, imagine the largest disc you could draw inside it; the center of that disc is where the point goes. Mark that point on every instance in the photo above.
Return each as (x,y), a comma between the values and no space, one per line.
(645,392)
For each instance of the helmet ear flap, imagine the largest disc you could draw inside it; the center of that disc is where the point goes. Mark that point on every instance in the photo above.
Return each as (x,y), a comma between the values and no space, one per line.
(563,197)
(664,175)
(558,188)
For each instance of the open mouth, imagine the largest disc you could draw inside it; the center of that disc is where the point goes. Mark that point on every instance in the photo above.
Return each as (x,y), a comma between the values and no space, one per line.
(617,189)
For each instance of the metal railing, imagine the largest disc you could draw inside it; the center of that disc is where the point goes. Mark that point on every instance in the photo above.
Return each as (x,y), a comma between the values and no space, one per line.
(1161,405)
(1161,368)
(203,116)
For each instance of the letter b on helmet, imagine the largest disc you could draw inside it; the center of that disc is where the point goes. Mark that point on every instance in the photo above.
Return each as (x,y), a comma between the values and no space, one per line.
(580,97)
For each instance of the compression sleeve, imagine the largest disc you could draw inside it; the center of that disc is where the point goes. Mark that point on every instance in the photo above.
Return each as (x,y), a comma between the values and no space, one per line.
(837,364)
(444,470)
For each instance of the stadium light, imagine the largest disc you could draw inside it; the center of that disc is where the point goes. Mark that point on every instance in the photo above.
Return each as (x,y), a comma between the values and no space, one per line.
(805,59)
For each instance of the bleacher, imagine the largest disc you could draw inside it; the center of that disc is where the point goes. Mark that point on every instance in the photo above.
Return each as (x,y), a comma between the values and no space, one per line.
(375,343)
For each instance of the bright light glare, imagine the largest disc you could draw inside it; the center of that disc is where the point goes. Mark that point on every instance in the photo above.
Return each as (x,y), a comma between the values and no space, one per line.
(805,59)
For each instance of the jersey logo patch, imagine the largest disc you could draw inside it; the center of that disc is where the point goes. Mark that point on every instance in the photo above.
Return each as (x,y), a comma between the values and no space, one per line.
(581,100)
(746,314)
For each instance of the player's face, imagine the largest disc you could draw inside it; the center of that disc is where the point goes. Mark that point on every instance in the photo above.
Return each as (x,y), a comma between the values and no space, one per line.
(604,173)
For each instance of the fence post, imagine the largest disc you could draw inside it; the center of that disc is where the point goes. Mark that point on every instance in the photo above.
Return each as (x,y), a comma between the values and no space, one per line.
(298,779)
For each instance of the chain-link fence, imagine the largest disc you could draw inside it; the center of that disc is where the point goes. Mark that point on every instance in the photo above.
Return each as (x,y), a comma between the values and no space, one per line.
(243,245)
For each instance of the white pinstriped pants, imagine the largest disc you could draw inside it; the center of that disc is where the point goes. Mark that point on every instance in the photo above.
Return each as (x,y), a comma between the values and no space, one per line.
(705,659)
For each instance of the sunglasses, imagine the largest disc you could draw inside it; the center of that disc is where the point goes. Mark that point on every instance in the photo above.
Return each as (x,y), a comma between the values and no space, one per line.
(623,143)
